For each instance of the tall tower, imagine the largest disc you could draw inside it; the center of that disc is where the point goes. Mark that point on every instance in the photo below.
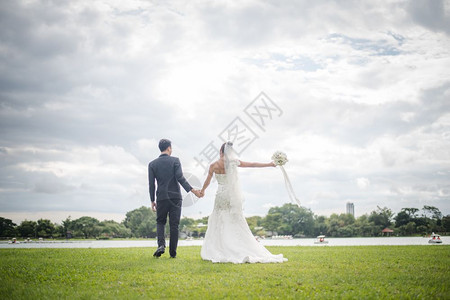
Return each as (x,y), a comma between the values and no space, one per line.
(350,208)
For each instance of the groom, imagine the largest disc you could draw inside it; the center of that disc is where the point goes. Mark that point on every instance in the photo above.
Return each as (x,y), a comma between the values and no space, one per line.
(166,170)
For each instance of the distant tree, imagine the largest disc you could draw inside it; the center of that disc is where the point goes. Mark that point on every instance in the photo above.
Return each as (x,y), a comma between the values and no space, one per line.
(333,225)
(272,221)
(254,223)
(320,225)
(381,218)
(141,222)
(27,229)
(112,229)
(45,228)
(402,218)
(431,219)
(187,225)
(411,211)
(58,231)
(346,231)
(410,228)
(341,225)
(192,227)
(431,212)
(290,219)
(86,227)
(65,227)
(287,219)
(422,229)
(7,228)
(446,223)
(199,229)
(363,227)
(186,222)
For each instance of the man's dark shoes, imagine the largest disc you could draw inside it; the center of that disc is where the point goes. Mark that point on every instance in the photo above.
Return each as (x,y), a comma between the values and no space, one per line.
(159,251)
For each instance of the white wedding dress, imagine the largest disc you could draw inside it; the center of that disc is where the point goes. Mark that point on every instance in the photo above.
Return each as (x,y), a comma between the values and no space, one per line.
(228,238)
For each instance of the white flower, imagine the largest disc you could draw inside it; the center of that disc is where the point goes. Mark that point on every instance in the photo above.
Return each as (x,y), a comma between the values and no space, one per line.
(279,158)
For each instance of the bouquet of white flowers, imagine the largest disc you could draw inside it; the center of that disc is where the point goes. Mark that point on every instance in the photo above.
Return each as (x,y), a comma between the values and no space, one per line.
(279,158)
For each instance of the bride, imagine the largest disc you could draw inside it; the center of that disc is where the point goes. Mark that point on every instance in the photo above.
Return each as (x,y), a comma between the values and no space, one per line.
(228,238)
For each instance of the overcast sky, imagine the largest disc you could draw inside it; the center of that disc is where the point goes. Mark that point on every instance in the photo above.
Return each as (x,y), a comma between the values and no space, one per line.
(356,93)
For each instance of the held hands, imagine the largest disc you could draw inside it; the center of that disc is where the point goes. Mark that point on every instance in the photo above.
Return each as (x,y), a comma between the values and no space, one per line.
(197,193)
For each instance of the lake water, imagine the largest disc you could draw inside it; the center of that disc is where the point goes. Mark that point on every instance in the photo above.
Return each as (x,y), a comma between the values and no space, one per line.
(388,241)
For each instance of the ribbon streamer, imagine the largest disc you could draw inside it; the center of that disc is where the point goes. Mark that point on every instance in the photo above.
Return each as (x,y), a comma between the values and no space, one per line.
(289,188)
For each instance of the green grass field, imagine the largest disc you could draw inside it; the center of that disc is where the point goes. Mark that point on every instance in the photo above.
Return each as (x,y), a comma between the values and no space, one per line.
(369,272)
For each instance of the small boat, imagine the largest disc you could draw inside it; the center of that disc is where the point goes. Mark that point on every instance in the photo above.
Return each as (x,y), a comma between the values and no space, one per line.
(320,240)
(435,239)
(281,237)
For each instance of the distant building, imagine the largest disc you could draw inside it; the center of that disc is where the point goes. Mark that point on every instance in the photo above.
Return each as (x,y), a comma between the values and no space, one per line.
(350,208)
(387,232)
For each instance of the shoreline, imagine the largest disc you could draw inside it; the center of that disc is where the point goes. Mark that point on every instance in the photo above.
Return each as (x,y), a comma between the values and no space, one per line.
(132,243)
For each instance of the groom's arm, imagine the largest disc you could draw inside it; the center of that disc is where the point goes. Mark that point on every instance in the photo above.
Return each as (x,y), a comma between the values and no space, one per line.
(180,178)
(151,183)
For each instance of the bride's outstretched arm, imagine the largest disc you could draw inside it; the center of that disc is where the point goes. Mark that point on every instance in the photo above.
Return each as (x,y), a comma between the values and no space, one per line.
(244,164)
(207,180)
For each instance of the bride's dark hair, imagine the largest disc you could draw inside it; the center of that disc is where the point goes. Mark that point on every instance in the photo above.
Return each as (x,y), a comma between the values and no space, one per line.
(222,149)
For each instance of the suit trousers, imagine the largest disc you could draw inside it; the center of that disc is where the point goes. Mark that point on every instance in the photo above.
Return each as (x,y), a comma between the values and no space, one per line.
(171,208)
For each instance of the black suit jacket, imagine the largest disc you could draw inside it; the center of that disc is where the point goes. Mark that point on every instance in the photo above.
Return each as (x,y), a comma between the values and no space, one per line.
(166,170)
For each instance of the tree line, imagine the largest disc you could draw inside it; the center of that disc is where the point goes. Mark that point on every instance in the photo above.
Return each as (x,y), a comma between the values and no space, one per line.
(288,219)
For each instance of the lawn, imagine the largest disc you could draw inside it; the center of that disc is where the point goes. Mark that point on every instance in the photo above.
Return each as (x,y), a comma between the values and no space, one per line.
(369,272)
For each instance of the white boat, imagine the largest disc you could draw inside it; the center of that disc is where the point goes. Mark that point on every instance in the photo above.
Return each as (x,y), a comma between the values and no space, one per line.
(281,237)
(435,239)
(14,241)
(320,240)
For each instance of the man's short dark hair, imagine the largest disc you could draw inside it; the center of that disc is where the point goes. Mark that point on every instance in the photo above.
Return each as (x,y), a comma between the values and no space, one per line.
(164,144)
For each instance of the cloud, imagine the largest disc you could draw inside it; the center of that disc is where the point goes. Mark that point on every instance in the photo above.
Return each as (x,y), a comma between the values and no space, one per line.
(269,205)
(87,89)
(362,182)
(434,15)
(71,175)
